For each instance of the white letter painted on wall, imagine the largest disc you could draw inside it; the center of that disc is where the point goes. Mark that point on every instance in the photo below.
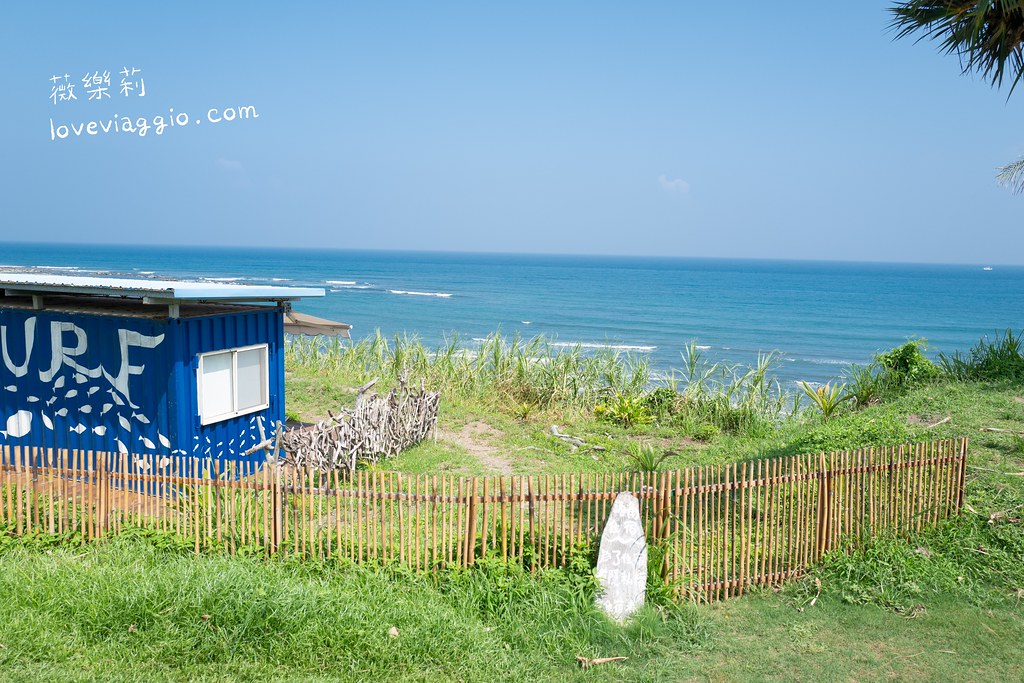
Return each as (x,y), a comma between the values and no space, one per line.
(128,339)
(30,339)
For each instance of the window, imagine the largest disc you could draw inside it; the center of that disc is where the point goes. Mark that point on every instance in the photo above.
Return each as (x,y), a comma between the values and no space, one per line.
(232,383)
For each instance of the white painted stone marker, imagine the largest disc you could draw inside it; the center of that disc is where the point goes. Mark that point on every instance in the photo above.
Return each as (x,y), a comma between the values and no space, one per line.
(622,560)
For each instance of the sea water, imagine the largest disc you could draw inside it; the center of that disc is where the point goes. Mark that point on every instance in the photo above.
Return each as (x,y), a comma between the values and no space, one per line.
(818,316)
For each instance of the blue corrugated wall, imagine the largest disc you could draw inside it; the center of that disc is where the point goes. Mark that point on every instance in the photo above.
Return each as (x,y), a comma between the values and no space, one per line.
(121,384)
(229,438)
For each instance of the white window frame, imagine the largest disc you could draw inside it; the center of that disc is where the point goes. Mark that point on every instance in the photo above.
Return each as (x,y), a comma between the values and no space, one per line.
(210,419)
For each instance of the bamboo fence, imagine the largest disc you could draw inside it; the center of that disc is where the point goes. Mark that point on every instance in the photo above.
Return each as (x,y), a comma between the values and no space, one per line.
(715,530)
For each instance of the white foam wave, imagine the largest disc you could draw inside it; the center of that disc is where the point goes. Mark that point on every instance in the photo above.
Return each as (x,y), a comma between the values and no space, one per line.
(57,267)
(827,361)
(280,279)
(340,282)
(702,348)
(222,279)
(595,345)
(443,295)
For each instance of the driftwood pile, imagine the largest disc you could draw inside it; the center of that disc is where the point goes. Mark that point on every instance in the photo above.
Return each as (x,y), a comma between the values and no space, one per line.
(376,428)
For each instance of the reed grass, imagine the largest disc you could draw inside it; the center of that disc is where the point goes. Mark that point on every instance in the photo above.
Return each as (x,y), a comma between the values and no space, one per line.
(532,372)
(525,375)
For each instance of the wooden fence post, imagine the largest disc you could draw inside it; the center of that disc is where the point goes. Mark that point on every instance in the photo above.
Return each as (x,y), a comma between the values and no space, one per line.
(102,494)
(962,478)
(275,505)
(824,505)
(471,527)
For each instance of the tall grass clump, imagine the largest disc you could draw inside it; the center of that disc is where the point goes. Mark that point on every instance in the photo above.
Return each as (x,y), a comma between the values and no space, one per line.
(532,372)
(990,361)
(732,398)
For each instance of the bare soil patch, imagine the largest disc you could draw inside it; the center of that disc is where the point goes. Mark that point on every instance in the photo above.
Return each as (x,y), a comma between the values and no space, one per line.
(477,437)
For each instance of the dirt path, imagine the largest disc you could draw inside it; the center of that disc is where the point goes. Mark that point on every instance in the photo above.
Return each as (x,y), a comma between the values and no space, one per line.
(476,437)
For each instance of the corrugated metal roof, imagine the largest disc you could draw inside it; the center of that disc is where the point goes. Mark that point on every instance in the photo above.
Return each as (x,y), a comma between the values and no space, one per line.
(302,323)
(156,291)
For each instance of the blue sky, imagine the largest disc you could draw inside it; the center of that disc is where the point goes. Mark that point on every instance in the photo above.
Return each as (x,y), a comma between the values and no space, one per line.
(779,130)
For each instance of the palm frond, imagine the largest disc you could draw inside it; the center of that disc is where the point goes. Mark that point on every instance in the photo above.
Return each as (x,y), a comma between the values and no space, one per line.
(1012,176)
(987,35)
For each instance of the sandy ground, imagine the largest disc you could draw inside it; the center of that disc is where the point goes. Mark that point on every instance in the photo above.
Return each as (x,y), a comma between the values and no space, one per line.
(476,438)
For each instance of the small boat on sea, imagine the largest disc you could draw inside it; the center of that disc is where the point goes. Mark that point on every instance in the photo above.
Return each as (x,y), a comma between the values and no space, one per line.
(987,268)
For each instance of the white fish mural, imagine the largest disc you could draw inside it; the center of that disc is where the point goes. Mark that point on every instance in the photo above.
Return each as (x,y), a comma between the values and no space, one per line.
(125,424)
(141,418)
(11,388)
(51,401)
(121,448)
(78,429)
(92,391)
(99,431)
(80,378)
(63,412)
(47,422)
(147,443)
(71,393)
(106,408)
(33,399)
(19,424)
(164,441)
(85,409)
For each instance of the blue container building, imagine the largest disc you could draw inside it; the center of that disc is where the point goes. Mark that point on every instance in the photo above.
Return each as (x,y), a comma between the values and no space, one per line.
(141,366)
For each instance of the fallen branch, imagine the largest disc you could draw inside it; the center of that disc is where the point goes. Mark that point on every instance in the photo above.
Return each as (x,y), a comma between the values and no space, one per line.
(1003,431)
(587,663)
(574,440)
(940,422)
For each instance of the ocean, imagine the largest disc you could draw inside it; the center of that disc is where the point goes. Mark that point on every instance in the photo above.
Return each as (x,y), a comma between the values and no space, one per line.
(818,316)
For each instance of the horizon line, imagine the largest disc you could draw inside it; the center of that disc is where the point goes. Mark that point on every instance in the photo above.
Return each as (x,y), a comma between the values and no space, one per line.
(470,252)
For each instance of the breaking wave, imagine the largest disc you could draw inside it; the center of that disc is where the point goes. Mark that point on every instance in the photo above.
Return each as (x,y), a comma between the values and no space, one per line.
(443,295)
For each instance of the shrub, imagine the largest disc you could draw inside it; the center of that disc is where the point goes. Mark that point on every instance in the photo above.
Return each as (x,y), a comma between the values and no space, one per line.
(661,401)
(906,366)
(625,410)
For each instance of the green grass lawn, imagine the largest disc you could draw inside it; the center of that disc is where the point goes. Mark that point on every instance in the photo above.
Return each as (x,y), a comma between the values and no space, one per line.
(943,605)
(129,611)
